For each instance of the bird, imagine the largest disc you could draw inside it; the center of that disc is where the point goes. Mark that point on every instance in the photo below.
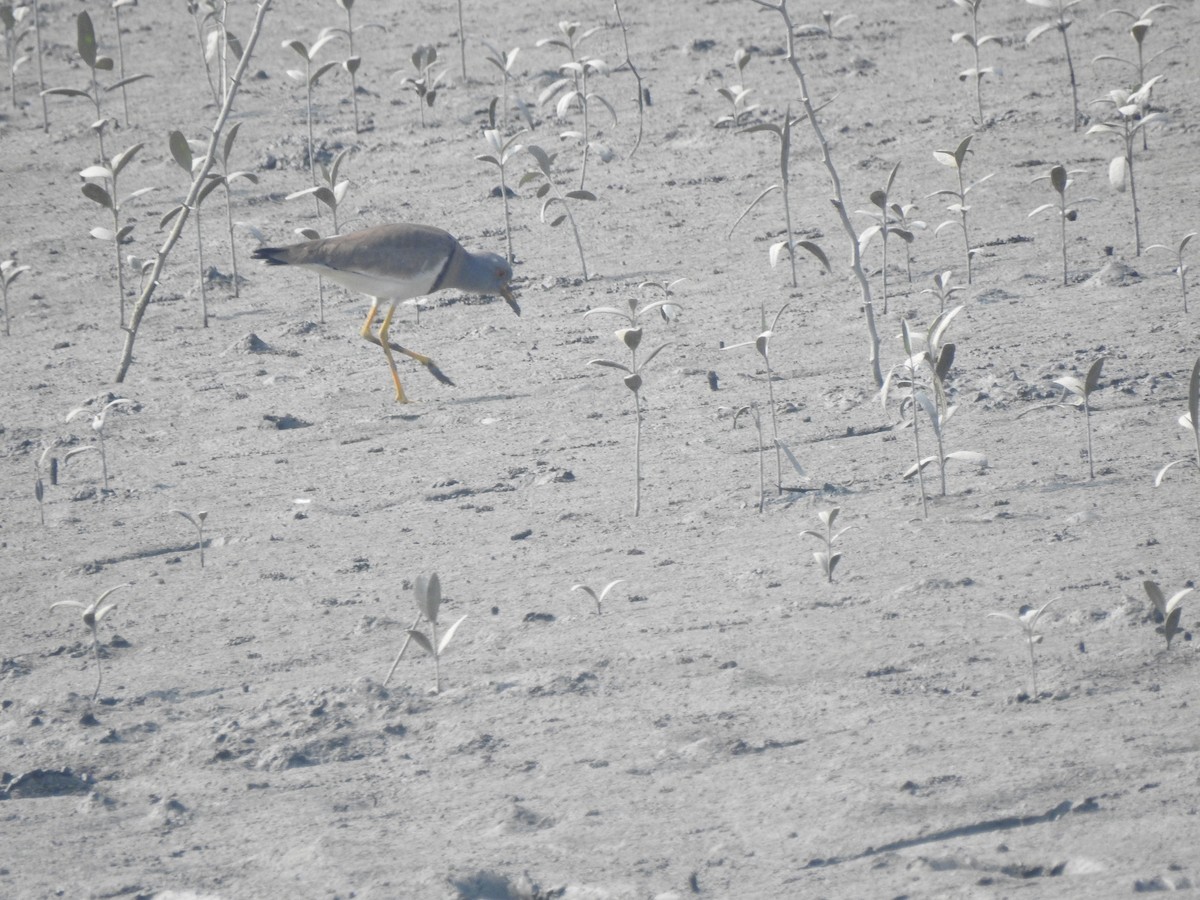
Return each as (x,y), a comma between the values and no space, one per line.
(398,262)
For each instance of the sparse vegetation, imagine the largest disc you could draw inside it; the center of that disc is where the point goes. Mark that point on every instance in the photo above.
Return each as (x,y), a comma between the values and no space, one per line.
(1181,268)
(975,41)
(198,523)
(1060,179)
(784,133)
(826,558)
(93,614)
(632,339)
(425,83)
(98,420)
(1027,621)
(598,599)
(9,272)
(550,193)
(956,159)
(1190,420)
(1171,610)
(110,199)
(502,150)
(428,592)
(1130,115)
(1059,23)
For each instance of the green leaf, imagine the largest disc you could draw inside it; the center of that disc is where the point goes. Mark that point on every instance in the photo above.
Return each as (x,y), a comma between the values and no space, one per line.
(1093,375)
(85,39)
(66,92)
(122,159)
(127,81)
(181,150)
(166,220)
(448,635)
(421,640)
(97,194)
(581,195)
(227,144)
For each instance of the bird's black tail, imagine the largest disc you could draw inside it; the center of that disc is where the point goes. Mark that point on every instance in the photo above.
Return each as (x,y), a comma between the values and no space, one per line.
(272,256)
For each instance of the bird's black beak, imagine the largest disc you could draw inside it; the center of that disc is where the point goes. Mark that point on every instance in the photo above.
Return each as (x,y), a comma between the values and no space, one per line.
(507,294)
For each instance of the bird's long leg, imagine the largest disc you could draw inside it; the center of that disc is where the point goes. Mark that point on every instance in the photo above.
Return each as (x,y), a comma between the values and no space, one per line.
(381,338)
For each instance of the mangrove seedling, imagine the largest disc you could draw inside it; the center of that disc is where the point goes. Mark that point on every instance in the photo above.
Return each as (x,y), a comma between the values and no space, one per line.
(752,411)
(598,598)
(1130,116)
(1027,620)
(570,38)
(1080,392)
(1077,392)
(632,339)
(574,90)
(226,178)
(643,95)
(737,95)
(887,223)
(181,152)
(85,45)
(1190,420)
(93,613)
(1139,30)
(197,523)
(425,84)
(762,344)
(830,20)
(309,78)
(352,63)
(9,272)
(15,31)
(549,193)
(943,288)
(503,61)
(37,50)
(39,487)
(1060,179)
(838,199)
(331,191)
(826,558)
(975,41)
(784,133)
(203,13)
(428,592)
(1182,268)
(98,426)
(924,371)
(110,199)
(1059,23)
(117,6)
(1170,610)
(502,150)
(670,311)
(200,181)
(956,159)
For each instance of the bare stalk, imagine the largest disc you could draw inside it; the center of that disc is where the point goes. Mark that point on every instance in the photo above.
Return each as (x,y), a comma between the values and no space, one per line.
(836,183)
(198,181)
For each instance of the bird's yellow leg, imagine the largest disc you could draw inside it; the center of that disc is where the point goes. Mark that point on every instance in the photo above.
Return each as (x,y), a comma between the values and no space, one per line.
(382,340)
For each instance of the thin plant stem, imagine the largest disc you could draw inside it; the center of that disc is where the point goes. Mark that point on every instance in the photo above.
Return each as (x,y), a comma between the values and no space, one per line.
(121,66)
(37,36)
(838,201)
(637,455)
(199,179)
(462,42)
(403,648)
